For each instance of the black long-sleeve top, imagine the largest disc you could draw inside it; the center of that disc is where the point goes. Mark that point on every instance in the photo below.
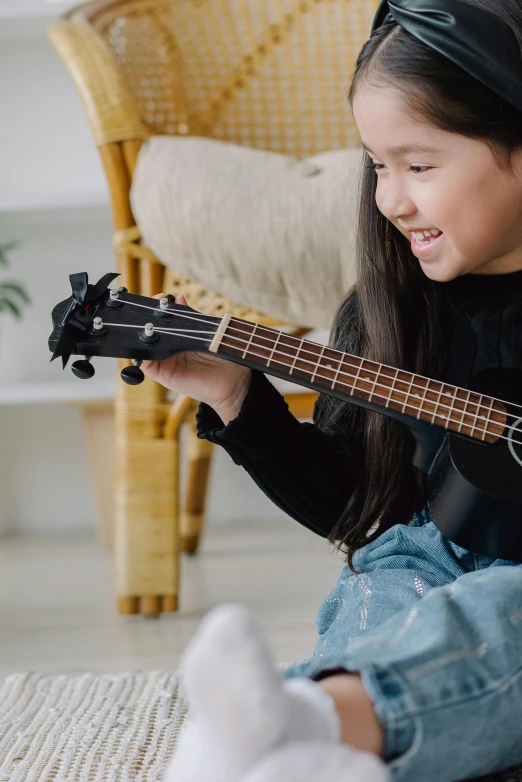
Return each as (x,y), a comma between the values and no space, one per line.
(309,473)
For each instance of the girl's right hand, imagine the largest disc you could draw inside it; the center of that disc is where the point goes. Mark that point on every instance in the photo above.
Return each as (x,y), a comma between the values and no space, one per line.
(221,384)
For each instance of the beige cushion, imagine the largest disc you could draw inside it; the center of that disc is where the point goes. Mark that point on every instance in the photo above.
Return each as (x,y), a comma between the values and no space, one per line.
(264,229)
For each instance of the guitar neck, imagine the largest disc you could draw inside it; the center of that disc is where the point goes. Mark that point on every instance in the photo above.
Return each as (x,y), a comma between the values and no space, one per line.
(363,382)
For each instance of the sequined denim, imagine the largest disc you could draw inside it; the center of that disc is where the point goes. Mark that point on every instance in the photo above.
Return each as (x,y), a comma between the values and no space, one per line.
(436,634)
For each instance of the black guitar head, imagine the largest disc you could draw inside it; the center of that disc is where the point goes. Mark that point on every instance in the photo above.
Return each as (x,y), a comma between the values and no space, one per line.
(96,321)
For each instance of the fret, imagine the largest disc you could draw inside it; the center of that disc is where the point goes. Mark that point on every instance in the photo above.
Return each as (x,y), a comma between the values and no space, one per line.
(392,389)
(466,403)
(437,403)
(407,394)
(454,398)
(375,382)
(423,400)
(318,364)
(356,377)
(274,348)
(250,340)
(337,372)
(296,356)
(473,415)
(488,419)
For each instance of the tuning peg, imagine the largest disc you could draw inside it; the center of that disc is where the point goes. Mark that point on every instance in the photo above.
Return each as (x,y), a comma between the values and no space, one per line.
(133,376)
(83,369)
(98,328)
(148,334)
(164,310)
(114,299)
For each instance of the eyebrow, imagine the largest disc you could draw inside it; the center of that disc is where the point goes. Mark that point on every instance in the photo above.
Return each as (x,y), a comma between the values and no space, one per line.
(406,150)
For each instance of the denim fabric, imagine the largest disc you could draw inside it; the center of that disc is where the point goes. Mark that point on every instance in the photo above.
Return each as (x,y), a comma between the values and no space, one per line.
(436,634)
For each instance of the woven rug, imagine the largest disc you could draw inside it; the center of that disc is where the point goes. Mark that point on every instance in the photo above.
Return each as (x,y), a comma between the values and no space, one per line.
(96,727)
(89,727)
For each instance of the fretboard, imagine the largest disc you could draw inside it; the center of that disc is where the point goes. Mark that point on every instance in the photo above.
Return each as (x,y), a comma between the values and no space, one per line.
(329,370)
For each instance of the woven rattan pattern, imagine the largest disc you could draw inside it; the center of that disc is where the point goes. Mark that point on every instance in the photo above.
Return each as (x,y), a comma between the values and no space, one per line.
(205,300)
(269,74)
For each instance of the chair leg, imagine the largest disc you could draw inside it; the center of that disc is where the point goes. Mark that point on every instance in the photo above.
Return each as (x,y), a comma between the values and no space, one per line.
(301,405)
(98,420)
(193,513)
(146,519)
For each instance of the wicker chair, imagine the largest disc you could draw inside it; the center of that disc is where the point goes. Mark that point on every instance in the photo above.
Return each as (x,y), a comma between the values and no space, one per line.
(265,73)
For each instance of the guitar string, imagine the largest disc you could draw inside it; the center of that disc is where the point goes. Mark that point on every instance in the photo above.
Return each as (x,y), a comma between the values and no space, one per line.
(216,320)
(189,334)
(438,404)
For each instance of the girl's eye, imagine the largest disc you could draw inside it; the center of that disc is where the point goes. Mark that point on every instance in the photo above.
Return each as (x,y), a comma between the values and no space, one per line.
(419,169)
(413,169)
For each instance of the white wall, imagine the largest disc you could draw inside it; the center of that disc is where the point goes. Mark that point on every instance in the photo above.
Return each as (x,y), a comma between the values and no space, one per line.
(48,164)
(46,151)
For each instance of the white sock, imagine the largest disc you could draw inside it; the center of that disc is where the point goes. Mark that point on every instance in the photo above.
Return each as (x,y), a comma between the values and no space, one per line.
(314,761)
(312,712)
(198,756)
(238,697)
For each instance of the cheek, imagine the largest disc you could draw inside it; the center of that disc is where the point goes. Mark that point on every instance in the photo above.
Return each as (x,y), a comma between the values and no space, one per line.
(477,219)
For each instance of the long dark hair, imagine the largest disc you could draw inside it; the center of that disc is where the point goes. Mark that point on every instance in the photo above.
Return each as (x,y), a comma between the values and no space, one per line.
(392,315)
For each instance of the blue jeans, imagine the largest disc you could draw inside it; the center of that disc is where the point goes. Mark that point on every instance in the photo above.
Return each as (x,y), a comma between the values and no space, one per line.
(436,634)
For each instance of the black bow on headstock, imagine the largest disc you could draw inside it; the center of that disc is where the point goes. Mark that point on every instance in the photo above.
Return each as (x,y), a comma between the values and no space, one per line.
(77,313)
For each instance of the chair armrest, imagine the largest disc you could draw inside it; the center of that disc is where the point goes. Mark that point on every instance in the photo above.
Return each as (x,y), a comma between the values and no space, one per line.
(109,106)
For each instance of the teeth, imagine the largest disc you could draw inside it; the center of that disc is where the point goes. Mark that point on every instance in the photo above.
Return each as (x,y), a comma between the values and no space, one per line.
(423,235)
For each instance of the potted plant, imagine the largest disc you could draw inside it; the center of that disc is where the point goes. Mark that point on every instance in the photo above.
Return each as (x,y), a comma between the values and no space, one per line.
(13,296)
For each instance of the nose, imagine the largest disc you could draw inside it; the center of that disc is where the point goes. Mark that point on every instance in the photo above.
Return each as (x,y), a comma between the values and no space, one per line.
(393,200)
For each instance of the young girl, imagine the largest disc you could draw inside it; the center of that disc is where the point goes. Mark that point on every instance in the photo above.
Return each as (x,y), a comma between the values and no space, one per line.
(417,673)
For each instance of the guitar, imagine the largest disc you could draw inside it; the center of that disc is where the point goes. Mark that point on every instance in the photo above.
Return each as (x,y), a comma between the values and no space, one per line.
(469,440)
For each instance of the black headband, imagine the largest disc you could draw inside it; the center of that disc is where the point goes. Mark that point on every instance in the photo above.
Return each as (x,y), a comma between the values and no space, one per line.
(476,40)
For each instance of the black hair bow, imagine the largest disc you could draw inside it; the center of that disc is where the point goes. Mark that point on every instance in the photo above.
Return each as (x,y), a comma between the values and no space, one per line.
(478,41)
(76,316)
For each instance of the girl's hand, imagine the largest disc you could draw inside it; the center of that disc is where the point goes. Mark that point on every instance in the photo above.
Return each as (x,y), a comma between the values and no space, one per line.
(221,384)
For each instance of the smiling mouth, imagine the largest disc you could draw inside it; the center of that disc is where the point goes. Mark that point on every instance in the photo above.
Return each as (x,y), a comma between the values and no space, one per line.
(426,237)
(426,247)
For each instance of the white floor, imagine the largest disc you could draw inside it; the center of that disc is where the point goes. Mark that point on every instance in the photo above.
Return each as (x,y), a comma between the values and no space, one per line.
(57,607)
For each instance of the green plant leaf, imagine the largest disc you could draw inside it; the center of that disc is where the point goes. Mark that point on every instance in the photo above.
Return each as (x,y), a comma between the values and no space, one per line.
(10,306)
(4,250)
(14,287)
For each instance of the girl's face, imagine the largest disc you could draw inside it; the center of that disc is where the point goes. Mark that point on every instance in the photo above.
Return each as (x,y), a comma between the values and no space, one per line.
(447,185)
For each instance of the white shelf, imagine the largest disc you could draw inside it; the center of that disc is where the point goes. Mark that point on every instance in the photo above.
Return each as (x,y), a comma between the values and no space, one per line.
(38,393)
(56,208)
(55,202)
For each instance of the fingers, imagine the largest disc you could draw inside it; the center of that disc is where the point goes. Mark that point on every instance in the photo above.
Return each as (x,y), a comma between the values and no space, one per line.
(150,368)
(179,299)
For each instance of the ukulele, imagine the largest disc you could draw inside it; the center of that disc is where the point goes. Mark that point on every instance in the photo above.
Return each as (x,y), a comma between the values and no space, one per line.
(468,440)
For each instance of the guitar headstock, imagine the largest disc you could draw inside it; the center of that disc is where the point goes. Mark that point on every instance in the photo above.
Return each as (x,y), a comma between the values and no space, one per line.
(98,321)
